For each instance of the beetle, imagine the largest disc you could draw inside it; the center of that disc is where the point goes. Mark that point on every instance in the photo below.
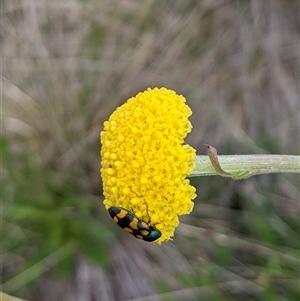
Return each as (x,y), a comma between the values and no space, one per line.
(133,225)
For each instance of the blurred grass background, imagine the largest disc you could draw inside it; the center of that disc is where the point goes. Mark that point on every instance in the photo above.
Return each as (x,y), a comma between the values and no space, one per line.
(66,65)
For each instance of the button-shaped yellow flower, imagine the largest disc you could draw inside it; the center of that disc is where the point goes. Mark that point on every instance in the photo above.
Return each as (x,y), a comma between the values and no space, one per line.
(145,161)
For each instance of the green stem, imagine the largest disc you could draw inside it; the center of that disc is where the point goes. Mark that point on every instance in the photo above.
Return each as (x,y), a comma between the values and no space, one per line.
(244,166)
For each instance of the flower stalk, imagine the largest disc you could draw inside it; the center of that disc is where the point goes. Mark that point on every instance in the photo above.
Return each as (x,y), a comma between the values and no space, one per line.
(240,167)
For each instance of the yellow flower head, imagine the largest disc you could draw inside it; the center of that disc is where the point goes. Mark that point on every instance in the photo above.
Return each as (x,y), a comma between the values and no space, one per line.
(145,161)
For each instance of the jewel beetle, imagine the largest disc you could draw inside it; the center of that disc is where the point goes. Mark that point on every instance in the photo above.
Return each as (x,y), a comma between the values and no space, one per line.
(133,225)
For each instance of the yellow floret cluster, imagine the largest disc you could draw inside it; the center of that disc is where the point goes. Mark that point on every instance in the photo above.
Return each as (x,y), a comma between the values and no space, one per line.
(145,161)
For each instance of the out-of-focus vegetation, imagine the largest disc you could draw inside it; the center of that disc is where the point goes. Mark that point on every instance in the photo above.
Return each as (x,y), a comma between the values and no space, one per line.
(66,65)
